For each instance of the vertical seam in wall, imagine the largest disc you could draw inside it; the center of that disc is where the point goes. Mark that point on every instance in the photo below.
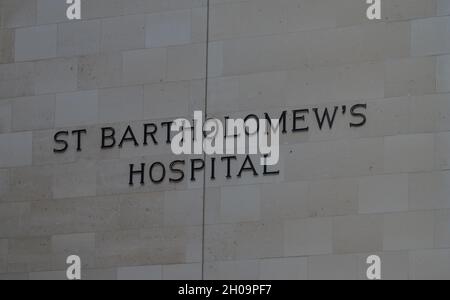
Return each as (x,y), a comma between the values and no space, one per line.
(204,154)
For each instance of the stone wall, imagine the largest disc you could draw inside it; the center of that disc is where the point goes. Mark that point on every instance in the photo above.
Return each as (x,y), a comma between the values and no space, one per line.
(341,194)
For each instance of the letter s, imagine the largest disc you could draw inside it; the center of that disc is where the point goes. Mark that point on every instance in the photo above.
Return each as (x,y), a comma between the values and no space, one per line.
(59,141)
(357,114)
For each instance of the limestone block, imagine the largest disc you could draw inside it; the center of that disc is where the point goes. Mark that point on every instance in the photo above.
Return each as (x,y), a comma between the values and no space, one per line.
(382,194)
(29,184)
(155,246)
(406,9)
(430,113)
(409,231)
(240,204)
(4,183)
(443,7)
(144,66)
(243,19)
(168,28)
(420,149)
(99,274)
(442,150)
(244,241)
(95,9)
(334,47)
(212,205)
(333,197)
(284,269)
(16,80)
(284,201)
(183,208)
(307,237)
(56,76)
(357,234)
(80,244)
(186,62)
(167,100)
(100,71)
(198,24)
(76,109)
(14,219)
(78,38)
(333,267)
(430,265)
(232,270)
(34,43)
(74,215)
(3,248)
(259,91)
(121,104)
(322,14)
(110,8)
(75,180)
(3,265)
(215,61)
(14,276)
(443,74)
(122,33)
(223,94)
(5,116)
(412,76)
(51,11)
(332,159)
(334,84)
(33,113)
(29,254)
(442,232)
(18,13)
(6,46)
(429,191)
(182,272)
(51,275)
(429,36)
(141,210)
(387,117)
(15,149)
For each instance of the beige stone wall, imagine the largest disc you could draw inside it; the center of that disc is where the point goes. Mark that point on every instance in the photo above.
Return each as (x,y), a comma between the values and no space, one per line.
(341,195)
